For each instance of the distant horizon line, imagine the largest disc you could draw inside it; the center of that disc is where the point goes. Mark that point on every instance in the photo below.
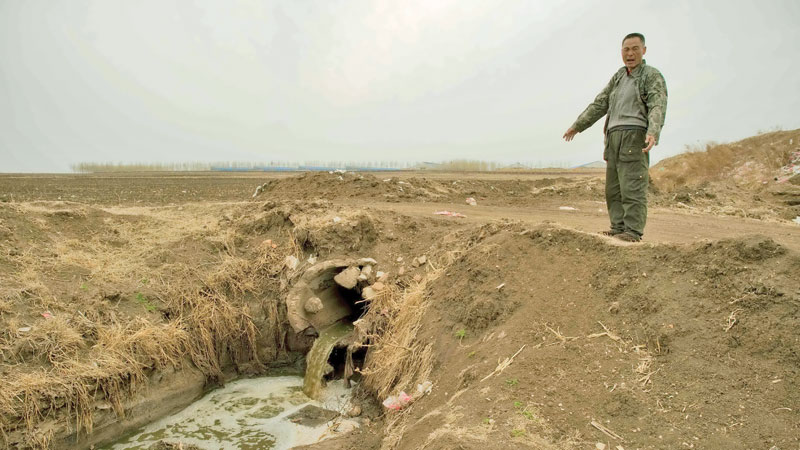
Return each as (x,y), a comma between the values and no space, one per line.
(296,166)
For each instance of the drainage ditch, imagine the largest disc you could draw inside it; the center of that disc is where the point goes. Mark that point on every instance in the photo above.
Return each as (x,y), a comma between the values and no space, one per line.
(259,413)
(286,411)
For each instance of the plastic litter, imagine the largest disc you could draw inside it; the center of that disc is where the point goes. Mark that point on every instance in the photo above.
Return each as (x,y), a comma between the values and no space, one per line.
(789,170)
(449,213)
(47,315)
(401,400)
(391,402)
(424,388)
(567,208)
(471,201)
(291,262)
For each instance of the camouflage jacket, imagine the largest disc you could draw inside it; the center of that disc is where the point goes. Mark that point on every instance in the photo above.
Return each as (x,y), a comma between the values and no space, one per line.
(652,91)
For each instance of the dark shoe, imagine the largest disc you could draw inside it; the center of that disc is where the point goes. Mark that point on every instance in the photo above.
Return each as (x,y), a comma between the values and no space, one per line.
(628,237)
(611,232)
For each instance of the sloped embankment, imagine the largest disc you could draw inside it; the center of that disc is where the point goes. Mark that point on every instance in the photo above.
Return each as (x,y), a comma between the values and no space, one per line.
(109,318)
(748,178)
(531,336)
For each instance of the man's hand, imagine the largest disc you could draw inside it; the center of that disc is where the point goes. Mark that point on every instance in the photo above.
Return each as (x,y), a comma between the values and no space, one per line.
(650,141)
(569,134)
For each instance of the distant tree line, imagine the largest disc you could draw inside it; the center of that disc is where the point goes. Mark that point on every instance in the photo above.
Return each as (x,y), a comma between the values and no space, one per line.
(455,165)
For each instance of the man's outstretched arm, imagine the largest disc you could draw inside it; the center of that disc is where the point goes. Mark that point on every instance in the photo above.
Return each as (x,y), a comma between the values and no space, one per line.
(597,109)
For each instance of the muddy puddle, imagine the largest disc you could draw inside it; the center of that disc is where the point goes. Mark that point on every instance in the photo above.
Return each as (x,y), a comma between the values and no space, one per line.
(260,413)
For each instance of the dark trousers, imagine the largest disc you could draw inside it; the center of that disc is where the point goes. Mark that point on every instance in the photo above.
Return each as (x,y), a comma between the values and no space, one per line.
(626,180)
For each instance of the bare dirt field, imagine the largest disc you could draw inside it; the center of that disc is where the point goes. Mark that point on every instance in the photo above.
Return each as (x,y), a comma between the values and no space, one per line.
(123,297)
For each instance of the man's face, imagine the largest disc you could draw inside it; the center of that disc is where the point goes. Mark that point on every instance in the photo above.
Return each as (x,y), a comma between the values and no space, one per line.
(632,52)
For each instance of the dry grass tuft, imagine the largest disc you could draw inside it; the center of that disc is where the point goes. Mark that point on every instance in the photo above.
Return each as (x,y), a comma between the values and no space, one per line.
(5,306)
(112,371)
(145,344)
(396,359)
(55,340)
(26,398)
(217,318)
(217,327)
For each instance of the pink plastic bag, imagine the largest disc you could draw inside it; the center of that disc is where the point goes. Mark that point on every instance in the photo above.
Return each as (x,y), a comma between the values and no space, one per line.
(398,402)
(449,213)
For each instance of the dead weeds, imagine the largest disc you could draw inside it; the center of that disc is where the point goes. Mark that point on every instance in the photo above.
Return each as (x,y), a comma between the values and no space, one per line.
(93,342)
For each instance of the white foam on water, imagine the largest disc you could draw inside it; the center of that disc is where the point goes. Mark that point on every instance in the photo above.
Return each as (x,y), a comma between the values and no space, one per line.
(246,414)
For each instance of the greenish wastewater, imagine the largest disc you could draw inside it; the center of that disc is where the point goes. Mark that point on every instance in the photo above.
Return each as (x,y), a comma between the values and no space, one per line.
(250,414)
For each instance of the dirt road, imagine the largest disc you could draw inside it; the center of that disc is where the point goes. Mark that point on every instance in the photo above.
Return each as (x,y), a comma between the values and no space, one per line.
(664,225)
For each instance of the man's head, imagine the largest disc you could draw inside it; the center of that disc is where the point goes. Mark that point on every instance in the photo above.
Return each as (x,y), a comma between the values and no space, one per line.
(633,49)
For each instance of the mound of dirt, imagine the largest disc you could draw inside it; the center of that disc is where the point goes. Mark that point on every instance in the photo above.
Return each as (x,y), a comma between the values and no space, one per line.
(520,192)
(339,185)
(748,178)
(342,184)
(316,226)
(539,334)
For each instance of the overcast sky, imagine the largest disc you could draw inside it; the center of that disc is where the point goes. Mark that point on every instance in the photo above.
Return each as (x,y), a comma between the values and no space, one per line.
(411,80)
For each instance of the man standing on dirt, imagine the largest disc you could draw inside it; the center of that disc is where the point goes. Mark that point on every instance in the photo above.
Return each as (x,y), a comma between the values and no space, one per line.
(636,103)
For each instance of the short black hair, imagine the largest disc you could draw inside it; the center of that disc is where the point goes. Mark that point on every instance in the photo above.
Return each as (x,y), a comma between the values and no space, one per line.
(633,35)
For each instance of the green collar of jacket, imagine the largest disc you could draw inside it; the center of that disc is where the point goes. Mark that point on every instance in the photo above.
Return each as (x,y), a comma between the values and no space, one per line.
(638,69)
